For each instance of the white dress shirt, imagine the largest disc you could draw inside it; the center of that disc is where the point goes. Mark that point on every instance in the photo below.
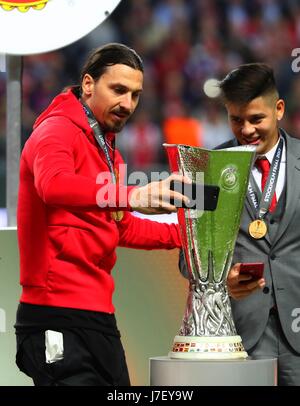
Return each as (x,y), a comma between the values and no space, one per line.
(282,169)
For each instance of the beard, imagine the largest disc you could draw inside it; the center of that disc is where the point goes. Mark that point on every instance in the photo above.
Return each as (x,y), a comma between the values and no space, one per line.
(116,125)
(116,128)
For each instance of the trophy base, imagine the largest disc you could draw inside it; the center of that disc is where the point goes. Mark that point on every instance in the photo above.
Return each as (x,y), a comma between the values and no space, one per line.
(194,347)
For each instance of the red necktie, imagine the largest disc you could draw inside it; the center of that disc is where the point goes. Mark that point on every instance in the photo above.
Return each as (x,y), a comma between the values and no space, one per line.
(264,165)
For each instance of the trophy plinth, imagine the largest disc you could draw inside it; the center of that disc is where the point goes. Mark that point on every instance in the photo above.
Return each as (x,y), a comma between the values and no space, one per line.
(208,233)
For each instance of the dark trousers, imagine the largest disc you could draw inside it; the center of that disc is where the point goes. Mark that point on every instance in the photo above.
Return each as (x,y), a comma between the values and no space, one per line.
(91,358)
(273,344)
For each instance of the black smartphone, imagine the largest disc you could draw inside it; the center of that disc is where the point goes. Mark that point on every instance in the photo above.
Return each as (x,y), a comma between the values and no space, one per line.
(202,197)
(254,269)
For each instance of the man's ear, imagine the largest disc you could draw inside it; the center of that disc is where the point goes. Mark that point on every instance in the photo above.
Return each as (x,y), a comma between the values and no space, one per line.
(87,85)
(280,107)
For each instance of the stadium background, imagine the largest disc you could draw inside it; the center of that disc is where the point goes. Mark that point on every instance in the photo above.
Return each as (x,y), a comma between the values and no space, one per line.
(183,44)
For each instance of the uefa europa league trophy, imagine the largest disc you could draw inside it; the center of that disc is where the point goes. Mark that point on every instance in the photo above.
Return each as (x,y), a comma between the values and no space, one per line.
(208,239)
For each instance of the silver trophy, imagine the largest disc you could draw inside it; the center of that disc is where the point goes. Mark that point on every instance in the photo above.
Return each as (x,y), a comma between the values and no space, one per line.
(209,232)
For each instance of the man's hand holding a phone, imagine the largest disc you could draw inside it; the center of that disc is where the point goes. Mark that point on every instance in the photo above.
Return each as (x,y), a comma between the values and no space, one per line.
(244,278)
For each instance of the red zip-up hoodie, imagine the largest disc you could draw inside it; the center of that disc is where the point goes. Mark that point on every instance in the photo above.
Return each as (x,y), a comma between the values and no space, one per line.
(67,242)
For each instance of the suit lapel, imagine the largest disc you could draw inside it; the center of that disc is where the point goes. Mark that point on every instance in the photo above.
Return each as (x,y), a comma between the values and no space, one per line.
(292,184)
(249,207)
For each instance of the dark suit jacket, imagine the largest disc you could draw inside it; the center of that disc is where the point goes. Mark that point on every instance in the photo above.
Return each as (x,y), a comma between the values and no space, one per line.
(281,256)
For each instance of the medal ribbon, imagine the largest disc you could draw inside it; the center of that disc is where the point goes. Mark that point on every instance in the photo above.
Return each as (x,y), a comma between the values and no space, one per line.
(267,195)
(100,139)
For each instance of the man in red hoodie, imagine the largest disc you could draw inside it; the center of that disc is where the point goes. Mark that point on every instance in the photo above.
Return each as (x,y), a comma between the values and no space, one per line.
(73,212)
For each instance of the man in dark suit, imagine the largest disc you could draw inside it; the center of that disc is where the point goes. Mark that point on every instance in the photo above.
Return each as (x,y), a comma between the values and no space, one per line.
(268,319)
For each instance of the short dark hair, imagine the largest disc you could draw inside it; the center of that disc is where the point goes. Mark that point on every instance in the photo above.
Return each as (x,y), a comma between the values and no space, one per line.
(247,82)
(108,55)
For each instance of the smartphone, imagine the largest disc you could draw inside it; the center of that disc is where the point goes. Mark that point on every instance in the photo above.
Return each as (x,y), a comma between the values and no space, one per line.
(254,269)
(202,197)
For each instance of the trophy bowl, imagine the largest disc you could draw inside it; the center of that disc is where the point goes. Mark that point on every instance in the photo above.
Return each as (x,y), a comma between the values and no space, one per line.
(209,233)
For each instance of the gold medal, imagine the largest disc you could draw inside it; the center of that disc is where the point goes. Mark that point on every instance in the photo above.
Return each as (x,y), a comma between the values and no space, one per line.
(258,229)
(117,215)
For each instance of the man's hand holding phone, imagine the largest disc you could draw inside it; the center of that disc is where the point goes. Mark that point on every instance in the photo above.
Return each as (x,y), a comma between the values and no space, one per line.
(244,279)
(253,269)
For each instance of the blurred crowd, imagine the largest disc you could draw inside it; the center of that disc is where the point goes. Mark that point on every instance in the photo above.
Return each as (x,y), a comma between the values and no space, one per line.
(183,44)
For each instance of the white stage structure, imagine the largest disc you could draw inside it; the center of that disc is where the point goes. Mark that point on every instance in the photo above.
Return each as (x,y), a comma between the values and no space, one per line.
(32,27)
